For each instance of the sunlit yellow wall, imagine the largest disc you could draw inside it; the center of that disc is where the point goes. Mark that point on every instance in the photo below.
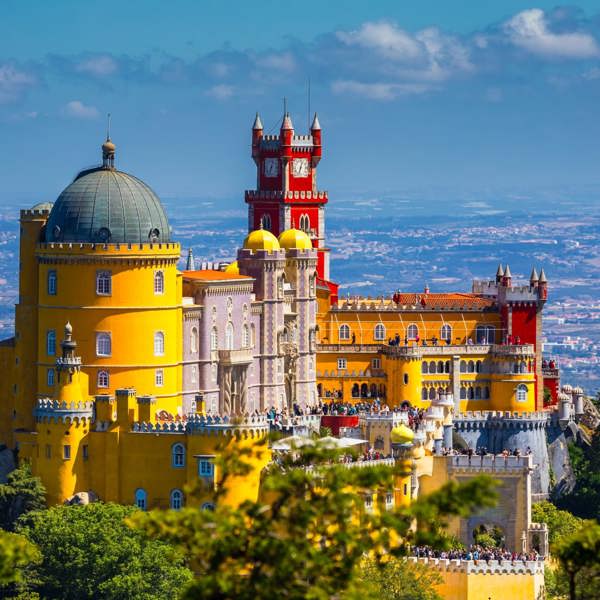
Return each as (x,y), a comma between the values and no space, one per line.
(132,313)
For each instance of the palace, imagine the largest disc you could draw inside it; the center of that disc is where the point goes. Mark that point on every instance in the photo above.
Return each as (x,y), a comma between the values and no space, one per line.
(126,375)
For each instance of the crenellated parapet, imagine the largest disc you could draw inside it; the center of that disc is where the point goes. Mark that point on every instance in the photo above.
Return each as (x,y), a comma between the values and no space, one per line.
(491,567)
(48,411)
(489,463)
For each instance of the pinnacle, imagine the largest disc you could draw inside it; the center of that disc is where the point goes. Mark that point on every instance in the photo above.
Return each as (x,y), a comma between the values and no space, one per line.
(507,272)
(316,126)
(287,122)
(534,275)
(500,271)
(258,126)
(543,276)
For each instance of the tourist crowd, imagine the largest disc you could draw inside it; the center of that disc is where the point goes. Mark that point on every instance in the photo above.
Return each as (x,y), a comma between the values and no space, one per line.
(476,552)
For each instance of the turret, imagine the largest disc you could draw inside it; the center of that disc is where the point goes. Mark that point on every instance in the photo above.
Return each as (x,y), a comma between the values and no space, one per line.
(499,273)
(533,278)
(189,265)
(315,130)
(285,135)
(543,286)
(507,277)
(257,134)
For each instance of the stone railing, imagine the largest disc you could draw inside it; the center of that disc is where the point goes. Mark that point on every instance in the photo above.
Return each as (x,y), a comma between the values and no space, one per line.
(235,357)
(350,348)
(492,567)
(490,462)
(360,464)
(521,350)
(210,425)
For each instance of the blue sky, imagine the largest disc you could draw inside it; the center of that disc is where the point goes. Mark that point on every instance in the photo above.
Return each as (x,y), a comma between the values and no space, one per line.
(474,95)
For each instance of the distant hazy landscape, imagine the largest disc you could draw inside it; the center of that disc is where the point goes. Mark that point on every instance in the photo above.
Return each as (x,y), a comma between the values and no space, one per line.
(403,240)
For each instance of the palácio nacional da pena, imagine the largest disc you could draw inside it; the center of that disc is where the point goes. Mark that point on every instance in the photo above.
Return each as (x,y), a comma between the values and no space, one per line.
(126,374)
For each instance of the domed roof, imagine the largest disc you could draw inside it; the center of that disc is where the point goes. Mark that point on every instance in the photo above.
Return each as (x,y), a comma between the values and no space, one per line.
(42,206)
(261,239)
(402,435)
(107,206)
(295,239)
(233,268)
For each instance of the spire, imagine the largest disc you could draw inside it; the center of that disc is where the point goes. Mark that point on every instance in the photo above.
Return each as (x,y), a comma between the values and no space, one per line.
(68,345)
(543,276)
(507,273)
(533,278)
(287,122)
(108,148)
(500,271)
(189,265)
(258,126)
(316,126)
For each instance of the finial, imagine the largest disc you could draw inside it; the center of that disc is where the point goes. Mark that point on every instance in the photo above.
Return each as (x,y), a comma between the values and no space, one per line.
(500,271)
(287,122)
(258,126)
(316,126)
(261,227)
(108,149)
(108,127)
(68,330)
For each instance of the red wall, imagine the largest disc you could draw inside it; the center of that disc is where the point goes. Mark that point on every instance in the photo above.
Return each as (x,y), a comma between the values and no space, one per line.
(334,422)
(524,324)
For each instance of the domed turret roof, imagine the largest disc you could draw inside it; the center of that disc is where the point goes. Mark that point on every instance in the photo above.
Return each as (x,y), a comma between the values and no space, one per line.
(233,268)
(295,239)
(261,239)
(402,435)
(105,205)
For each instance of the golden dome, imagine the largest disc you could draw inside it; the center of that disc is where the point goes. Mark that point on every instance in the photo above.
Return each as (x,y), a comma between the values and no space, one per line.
(295,239)
(261,239)
(402,435)
(108,147)
(233,268)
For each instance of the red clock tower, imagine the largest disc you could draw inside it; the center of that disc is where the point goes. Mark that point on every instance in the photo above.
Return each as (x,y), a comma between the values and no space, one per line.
(286,194)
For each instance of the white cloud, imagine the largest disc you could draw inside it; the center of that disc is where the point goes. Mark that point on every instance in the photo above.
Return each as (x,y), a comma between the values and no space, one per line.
(13,82)
(220,92)
(378,91)
(280,62)
(100,66)
(78,110)
(529,30)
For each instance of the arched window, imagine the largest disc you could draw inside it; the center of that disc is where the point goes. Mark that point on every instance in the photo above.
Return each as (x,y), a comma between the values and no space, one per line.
(485,334)
(471,367)
(432,393)
(141,499)
(523,367)
(214,339)
(312,285)
(266,222)
(159,282)
(486,393)
(477,393)
(521,393)
(51,342)
(447,367)
(380,332)
(103,344)
(194,374)
(193,340)
(159,343)
(432,366)
(52,283)
(446,333)
(103,283)
(178,456)
(424,393)
(305,223)
(425,367)
(50,377)
(252,335)
(440,367)
(229,336)
(471,393)
(463,366)
(245,337)
(478,367)
(344,332)
(208,506)
(103,380)
(405,379)
(463,393)
(412,333)
(176,499)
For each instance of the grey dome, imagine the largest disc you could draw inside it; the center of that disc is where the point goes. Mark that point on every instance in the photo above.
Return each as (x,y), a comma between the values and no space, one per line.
(107,206)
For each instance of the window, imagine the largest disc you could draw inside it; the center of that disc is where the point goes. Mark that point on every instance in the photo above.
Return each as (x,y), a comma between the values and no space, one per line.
(477,393)
(194,340)
(485,334)
(48,451)
(159,282)
(141,499)
(51,342)
(103,283)
(376,363)
(305,223)
(159,378)
(229,336)
(446,333)
(103,344)
(266,222)
(85,451)
(176,499)
(432,367)
(159,343)
(405,379)
(312,285)
(344,332)
(194,374)
(214,339)
(424,367)
(206,469)
(521,393)
(66,452)
(252,335)
(486,393)
(178,456)
(52,283)
(379,332)
(463,393)
(412,333)
(471,367)
(103,380)
(50,377)
(208,506)
(245,336)
(424,393)
(369,500)
(463,366)
(342,364)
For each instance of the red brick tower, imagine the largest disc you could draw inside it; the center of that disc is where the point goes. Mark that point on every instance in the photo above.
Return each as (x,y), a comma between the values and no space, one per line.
(286,192)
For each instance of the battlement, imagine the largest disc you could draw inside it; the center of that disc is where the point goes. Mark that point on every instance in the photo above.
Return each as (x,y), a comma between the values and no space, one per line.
(491,567)
(393,417)
(492,415)
(128,250)
(289,196)
(47,410)
(34,213)
(252,426)
(499,350)
(488,462)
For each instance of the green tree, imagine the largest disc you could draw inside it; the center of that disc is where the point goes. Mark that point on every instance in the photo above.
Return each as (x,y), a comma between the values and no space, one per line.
(307,535)
(89,552)
(561,523)
(16,553)
(395,579)
(579,557)
(21,493)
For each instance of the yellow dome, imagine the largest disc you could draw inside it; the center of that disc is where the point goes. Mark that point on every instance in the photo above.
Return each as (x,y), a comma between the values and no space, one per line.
(233,268)
(402,435)
(261,239)
(295,239)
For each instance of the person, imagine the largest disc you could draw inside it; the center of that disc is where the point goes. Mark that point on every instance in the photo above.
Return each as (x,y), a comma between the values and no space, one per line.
(397,339)
(353,338)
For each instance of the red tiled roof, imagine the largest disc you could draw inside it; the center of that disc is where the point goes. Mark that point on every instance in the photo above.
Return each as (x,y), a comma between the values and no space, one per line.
(441,301)
(210,275)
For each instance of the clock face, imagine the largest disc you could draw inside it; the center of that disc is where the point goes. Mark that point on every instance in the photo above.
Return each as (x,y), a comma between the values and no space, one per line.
(271,167)
(300,167)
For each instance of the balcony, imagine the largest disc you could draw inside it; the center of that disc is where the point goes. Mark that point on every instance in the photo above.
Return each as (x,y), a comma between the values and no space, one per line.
(235,357)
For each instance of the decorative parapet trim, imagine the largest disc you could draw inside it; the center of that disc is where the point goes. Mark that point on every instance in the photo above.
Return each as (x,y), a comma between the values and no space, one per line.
(254,426)
(463,463)
(490,567)
(53,410)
